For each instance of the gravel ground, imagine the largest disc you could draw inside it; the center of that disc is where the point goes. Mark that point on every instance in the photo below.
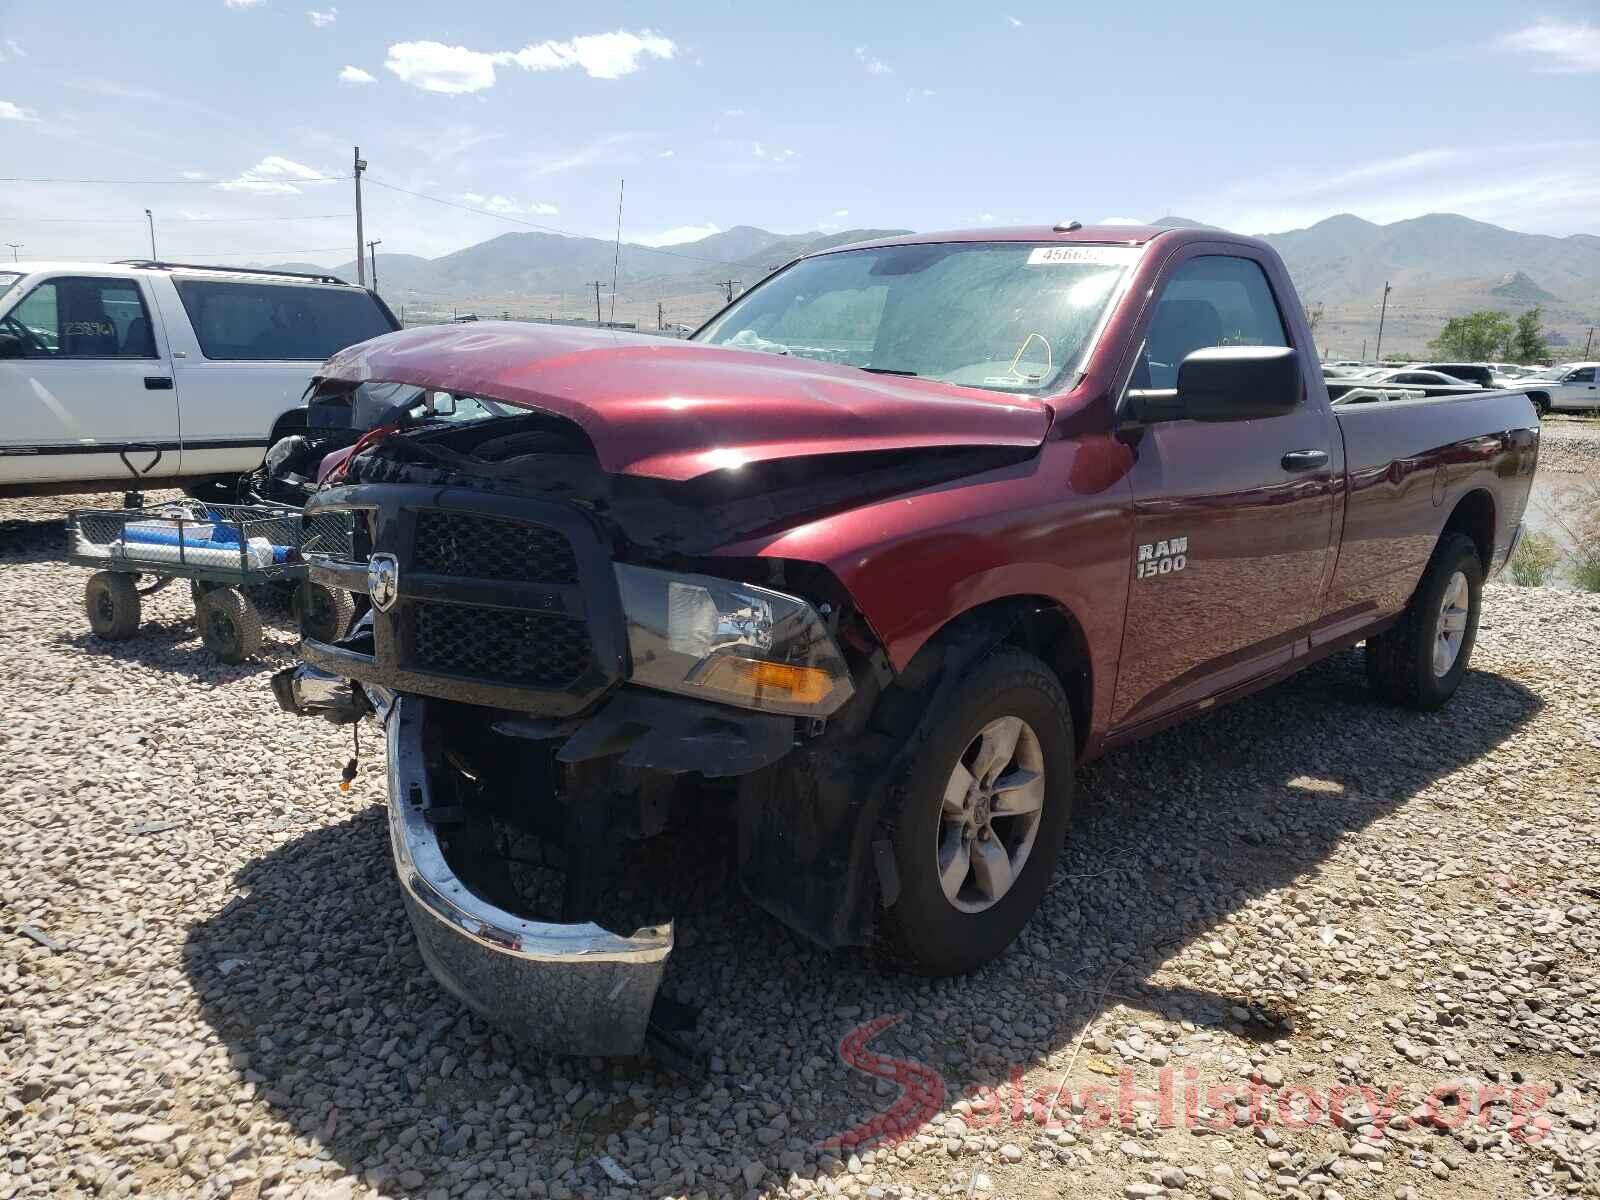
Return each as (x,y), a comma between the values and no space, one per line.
(210,987)
(1570,444)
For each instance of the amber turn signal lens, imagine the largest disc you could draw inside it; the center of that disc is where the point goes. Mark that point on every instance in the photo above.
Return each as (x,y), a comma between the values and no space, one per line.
(753,679)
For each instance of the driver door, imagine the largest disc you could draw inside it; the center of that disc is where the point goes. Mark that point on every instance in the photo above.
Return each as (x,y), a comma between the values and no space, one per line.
(91,385)
(1232,519)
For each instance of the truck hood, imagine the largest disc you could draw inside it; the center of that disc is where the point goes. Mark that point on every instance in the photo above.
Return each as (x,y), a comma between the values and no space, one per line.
(669,409)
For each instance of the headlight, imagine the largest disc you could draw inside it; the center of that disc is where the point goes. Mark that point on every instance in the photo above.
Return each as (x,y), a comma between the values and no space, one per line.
(732,642)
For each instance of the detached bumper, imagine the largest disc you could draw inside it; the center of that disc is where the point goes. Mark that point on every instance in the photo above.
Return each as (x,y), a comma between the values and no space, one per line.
(571,989)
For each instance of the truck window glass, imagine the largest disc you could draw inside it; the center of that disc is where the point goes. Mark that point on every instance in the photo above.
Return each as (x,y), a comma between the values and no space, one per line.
(1010,316)
(1213,300)
(278,321)
(82,318)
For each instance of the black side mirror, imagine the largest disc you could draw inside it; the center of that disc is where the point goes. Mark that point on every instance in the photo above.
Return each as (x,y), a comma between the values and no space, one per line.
(1239,383)
(10,346)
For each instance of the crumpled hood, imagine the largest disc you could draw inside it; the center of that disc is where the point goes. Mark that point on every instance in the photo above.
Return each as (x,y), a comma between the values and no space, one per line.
(675,410)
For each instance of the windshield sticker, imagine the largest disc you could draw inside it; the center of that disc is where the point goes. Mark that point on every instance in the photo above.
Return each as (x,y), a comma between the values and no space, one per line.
(1103,256)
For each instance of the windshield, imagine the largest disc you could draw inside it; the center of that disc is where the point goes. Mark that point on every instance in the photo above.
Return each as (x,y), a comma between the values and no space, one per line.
(1010,316)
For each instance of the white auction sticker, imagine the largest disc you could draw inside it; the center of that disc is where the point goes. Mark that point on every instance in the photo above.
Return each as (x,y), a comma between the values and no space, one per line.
(1103,256)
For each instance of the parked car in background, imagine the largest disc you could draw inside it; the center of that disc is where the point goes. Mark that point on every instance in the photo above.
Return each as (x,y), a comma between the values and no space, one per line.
(1427,382)
(868,566)
(1570,387)
(118,374)
(1478,373)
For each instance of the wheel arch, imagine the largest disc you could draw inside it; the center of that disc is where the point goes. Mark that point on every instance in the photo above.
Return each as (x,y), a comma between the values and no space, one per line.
(292,421)
(1474,515)
(1044,627)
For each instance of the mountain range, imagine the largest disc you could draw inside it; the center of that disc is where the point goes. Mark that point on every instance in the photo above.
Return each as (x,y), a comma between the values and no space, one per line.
(1439,265)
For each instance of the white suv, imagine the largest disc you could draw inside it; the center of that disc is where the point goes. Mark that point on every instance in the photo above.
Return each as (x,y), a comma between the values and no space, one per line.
(121,374)
(1569,387)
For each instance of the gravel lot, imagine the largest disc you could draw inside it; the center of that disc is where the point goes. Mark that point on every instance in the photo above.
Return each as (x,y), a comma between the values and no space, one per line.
(210,987)
(1570,444)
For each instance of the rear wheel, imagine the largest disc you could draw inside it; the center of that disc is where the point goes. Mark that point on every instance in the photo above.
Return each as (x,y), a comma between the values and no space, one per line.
(111,600)
(230,627)
(1541,404)
(1420,660)
(982,811)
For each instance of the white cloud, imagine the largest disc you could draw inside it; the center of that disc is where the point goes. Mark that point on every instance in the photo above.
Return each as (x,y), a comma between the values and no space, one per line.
(828,226)
(985,218)
(435,67)
(454,70)
(356,75)
(1567,48)
(1015,24)
(320,19)
(873,64)
(11,48)
(243,3)
(667,154)
(915,94)
(733,112)
(783,155)
(274,175)
(194,176)
(678,235)
(841,212)
(15,112)
(507,207)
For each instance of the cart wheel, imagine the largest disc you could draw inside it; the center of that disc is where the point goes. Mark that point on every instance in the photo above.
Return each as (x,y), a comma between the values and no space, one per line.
(323,612)
(112,601)
(230,627)
(198,590)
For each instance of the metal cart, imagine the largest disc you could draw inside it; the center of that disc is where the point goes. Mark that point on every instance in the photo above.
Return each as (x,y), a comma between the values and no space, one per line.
(221,549)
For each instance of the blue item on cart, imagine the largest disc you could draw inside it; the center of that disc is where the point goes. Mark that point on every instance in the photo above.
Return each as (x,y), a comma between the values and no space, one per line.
(133,533)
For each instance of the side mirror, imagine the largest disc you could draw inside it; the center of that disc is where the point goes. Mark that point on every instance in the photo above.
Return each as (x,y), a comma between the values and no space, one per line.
(1239,383)
(10,346)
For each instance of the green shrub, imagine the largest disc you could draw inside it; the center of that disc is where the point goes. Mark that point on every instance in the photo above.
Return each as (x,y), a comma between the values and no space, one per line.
(1535,560)
(1586,541)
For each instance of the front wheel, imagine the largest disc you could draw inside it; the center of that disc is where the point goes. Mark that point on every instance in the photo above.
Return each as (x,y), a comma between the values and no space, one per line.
(1419,661)
(981,813)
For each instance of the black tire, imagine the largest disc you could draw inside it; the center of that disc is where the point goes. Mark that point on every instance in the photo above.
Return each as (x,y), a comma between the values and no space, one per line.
(924,931)
(111,600)
(1541,405)
(1400,661)
(230,627)
(322,613)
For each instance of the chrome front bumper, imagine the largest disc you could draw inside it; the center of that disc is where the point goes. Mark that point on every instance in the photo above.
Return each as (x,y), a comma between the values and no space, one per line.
(570,989)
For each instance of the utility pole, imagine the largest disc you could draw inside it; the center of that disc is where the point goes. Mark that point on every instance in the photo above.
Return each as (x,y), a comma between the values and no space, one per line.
(597,284)
(15,246)
(1377,352)
(154,257)
(660,321)
(361,261)
(1588,343)
(730,284)
(1363,350)
(372,248)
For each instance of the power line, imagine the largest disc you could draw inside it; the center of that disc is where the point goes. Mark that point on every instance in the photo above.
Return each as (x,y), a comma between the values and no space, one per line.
(164,220)
(109,257)
(176,182)
(484,212)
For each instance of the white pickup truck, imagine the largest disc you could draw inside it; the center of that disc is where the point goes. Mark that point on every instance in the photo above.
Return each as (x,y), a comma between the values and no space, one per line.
(123,374)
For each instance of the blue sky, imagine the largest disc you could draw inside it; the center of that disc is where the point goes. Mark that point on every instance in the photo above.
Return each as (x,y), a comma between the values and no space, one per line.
(1258,116)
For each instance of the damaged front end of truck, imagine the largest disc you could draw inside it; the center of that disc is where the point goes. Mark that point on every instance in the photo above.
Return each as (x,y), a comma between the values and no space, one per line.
(569,662)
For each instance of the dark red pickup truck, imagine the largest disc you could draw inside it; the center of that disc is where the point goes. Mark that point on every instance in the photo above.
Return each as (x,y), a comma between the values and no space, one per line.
(867,565)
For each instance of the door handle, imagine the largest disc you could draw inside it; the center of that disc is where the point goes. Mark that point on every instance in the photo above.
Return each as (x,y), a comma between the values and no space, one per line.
(1305,460)
(158,383)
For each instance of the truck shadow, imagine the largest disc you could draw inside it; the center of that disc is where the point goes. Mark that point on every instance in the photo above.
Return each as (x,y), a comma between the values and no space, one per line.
(312,979)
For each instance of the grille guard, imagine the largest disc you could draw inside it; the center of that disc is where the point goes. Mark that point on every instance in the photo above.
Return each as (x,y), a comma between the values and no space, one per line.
(591,599)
